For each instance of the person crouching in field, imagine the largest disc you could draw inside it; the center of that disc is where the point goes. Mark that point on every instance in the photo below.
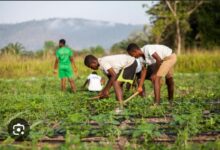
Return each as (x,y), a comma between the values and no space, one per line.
(64,61)
(118,68)
(165,61)
(95,82)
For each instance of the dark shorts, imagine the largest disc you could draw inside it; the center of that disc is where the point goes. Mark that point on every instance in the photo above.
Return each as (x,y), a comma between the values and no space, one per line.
(150,70)
(128,72)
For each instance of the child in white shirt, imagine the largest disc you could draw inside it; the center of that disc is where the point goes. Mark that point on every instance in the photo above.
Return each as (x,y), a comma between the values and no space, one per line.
(94,82)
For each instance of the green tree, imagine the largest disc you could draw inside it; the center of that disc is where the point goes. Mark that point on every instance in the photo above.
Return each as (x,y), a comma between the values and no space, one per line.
(204,24)
(97,50)
(13,49)
(141,38)
(170,13)
(50,48)
(119,47)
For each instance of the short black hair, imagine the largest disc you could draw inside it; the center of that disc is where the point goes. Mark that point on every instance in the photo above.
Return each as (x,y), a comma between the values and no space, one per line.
(94,72)
(131,47)
(89,59)
(62,41)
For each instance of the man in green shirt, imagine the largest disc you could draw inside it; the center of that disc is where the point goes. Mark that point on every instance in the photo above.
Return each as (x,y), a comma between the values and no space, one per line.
(64,59)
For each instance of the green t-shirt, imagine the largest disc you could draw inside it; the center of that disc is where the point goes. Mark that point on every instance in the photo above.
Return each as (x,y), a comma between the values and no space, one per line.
(63,54)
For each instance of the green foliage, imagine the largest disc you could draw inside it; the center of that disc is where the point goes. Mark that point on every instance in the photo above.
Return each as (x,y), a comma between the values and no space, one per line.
(146,131)
(198,22)
(49,49)
(204,26)
(97,50)
(52,113)
(141,38)
(12,49)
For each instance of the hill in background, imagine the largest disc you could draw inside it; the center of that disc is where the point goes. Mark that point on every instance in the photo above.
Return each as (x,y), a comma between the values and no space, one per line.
(79,33)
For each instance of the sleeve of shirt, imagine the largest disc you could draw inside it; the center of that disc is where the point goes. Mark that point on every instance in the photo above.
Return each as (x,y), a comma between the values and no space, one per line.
(151,51)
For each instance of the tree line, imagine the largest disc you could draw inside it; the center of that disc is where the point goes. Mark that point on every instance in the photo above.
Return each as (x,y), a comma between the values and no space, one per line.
(181,25)
(48,50)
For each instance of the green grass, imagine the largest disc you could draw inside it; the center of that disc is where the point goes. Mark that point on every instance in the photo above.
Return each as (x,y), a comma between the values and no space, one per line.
(50,111)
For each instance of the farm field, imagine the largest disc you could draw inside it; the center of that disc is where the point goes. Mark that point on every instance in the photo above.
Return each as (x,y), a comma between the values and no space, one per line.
(65,120)
(37,47)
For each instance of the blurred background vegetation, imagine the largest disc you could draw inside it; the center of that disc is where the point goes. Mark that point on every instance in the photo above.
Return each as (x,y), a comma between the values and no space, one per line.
(190,28)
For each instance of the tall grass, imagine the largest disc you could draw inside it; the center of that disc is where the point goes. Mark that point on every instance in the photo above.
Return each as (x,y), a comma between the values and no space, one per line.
(198,61)
(15,66)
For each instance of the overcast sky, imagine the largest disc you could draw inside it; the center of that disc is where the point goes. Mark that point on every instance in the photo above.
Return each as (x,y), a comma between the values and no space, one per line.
(129,12)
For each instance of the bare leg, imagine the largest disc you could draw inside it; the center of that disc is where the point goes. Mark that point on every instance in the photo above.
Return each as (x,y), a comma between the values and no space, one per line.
(170,88)
(63,84)
(157,89)
(118,91)
(72,84)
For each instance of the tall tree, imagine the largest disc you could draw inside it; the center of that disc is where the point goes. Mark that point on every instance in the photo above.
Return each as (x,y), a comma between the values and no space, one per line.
(169,13)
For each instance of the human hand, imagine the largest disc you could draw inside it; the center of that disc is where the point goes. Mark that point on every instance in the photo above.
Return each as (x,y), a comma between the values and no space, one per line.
(55,72)
(104,94)
(140,89)
(75,71)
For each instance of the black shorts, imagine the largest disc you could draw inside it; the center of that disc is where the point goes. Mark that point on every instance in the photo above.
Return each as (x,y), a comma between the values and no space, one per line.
(128,72)
(150,70)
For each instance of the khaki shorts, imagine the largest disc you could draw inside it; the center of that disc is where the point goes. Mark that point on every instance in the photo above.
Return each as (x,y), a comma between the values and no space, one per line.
(166,68)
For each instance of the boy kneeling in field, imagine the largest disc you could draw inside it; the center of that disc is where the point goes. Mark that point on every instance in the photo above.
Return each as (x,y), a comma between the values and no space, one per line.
(64,57)
(165,61)
(118,68)
(94,82)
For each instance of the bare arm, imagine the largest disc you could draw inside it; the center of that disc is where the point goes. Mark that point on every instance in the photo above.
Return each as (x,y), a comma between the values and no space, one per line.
(112,81)
(112,78)
(56,65)
(143,76)
(73,64)
(158,59)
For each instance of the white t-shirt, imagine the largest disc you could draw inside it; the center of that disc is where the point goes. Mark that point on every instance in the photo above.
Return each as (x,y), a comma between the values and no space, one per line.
(139,65)
(117,62)
(94,82)
(148,50)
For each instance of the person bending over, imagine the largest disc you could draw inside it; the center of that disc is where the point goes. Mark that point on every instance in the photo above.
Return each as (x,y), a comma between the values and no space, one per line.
(165,60)
(118,68)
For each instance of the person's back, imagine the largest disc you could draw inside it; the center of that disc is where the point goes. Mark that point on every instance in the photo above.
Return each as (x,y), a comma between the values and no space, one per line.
(94,82)
(162,50)
(64,61)
(117,62)
(64,54)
